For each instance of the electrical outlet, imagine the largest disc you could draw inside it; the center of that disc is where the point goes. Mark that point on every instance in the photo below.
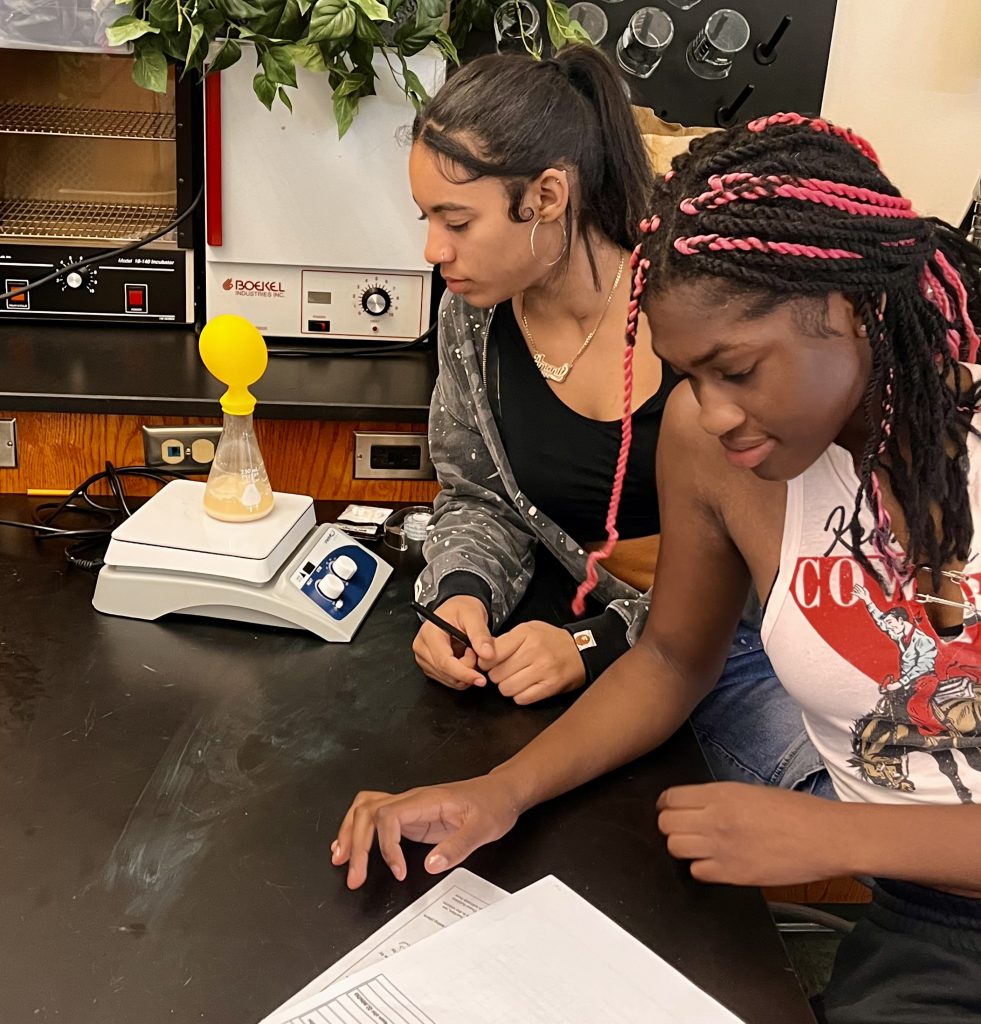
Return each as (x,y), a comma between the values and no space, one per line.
(8,444)
(394,456)
(180,449)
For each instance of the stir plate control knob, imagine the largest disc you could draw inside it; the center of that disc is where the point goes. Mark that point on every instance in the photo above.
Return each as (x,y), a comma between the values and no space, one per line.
(344,566)
(330,586)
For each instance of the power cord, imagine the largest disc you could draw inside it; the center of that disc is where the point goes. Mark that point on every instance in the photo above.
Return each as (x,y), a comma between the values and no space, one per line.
(792,916)
(61,271)
(88,545)
(394,348)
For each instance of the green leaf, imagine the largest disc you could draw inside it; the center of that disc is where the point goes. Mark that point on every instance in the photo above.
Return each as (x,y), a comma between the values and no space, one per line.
(240,10)
(361,52)
(127,28)
(563,29)
(411,38)
(350,85)
(415,87)
(150,65)
(174,44)
(194,45)
(374,10)
(307,55)
(282,20)
(264,89)
(430,10)
(226,56)
(304,6)
(278,66)
(345,107)
(286,101)
(331,19)
(163,14)
(365,29)
(447,47)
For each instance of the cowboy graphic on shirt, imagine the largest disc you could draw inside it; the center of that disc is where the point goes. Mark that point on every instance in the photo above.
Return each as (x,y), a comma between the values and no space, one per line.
(917,662)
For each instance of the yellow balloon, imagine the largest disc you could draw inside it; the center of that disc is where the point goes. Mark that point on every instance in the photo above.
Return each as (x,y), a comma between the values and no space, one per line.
(234,353)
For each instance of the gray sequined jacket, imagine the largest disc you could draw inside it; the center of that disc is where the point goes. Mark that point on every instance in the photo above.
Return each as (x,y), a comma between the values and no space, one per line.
(483,523)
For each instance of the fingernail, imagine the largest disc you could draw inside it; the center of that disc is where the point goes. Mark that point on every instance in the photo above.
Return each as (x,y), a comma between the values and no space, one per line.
(479,681)
(333,846)
(436,862)
(399,872)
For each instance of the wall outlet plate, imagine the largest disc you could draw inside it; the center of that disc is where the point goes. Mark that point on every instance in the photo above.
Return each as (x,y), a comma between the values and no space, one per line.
(8,444)
(394,456)
(180,449)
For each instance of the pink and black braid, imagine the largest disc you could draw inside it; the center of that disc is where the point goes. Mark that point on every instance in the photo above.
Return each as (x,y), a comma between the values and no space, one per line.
(639,267)
(787,207)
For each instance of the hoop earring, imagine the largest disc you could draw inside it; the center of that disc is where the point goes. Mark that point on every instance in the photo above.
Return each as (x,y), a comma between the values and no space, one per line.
(565,240)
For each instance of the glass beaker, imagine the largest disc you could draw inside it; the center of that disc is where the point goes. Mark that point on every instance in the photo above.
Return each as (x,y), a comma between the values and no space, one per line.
(684,5)
(710,53)
(517,28)
(647,35)
(238,488)
(592,19)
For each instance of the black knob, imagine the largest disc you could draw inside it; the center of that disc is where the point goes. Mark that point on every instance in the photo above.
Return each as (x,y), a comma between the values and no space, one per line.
(376,301)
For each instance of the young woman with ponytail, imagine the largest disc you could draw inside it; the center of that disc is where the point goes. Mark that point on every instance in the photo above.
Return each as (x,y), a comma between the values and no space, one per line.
(533,177)
(824,450)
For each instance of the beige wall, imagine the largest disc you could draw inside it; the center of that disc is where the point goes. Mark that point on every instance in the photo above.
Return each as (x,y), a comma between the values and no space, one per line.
(907,75)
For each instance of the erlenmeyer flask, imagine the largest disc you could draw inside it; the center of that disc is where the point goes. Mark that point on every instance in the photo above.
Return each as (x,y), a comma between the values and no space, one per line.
(238,487)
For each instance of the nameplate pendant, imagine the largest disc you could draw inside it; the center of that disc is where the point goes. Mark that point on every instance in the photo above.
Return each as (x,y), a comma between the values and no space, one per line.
(551,372)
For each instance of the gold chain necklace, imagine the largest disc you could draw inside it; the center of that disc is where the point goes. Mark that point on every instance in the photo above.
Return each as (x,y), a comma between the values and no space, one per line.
(559,373)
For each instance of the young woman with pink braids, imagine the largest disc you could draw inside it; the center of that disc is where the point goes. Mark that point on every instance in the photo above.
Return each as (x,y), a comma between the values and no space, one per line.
(823,451)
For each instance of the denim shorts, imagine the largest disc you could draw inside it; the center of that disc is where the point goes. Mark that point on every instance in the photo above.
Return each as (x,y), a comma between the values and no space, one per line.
(751,730)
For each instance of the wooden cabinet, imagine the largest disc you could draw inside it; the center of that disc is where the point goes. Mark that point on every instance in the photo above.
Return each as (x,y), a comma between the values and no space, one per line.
(315,457)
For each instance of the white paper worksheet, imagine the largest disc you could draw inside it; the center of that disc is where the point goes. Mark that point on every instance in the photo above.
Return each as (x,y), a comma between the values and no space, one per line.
(458,895)
(541,956)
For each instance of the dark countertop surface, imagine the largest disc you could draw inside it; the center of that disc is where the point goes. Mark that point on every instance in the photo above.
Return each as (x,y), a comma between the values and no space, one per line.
(169,792)
(140,371)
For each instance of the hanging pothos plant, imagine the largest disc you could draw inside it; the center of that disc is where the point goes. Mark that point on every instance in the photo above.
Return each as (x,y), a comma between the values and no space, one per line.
(336,37)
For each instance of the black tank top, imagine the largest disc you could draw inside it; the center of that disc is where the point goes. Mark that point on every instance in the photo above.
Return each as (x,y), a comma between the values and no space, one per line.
(564,462)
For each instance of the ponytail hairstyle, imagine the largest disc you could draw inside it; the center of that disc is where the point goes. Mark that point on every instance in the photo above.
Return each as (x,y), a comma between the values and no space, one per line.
(786,207)
(510,116)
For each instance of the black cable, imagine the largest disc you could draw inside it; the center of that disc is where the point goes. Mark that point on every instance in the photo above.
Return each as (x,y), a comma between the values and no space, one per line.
(93,540)
(392,349)
(61,271)
(802,913)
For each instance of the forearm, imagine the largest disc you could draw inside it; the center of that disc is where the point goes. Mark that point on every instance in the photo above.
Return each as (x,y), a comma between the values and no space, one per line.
(637,704)
(936,846)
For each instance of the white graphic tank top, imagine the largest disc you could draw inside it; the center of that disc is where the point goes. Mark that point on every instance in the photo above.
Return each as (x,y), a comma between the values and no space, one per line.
(893,708)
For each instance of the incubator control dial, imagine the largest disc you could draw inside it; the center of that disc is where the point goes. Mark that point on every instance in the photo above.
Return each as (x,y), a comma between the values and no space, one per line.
(76,279)
(376,301)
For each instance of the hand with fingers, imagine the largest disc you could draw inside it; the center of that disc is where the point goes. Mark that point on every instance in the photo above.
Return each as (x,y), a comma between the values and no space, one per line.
(457,818)
(752,835)
(533,661)
(446,660)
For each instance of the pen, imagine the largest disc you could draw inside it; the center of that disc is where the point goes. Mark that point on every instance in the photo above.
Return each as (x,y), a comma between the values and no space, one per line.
(432,617)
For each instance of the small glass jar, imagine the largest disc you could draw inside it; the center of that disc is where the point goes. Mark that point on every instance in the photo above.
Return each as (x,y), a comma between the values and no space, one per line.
(517,28)
(641,47)
(592,19)
(711,52)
